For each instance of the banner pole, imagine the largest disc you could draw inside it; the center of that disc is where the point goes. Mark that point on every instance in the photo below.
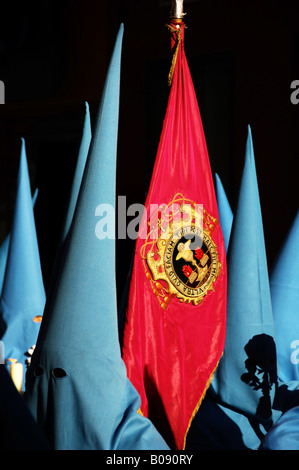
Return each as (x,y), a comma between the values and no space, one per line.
(177,11)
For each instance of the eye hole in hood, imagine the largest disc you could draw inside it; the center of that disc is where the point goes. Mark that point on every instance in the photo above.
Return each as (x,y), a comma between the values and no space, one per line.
(38,371)
(58,373)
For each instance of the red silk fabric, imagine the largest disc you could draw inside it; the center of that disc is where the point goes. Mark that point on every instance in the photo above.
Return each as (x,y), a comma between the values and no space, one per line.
(171,354)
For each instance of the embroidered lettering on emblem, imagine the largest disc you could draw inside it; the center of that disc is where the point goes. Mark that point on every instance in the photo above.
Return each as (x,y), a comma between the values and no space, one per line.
(187,261)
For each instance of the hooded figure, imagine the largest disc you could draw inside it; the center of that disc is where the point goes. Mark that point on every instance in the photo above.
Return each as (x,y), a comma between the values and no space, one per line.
(284,284)
(77,387)
(23,295)
(238,409)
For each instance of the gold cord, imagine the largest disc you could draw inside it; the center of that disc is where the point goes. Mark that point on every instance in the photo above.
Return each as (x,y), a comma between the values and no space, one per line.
(175,54)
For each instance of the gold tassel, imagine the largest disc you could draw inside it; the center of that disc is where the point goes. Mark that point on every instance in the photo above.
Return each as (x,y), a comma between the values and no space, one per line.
(175,54)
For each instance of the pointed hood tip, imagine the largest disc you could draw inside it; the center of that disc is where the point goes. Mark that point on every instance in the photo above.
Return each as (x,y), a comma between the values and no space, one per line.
(23,157)
(23,145)
(249,154)
(95,183)
(219,186)
(249,134)
(120,31)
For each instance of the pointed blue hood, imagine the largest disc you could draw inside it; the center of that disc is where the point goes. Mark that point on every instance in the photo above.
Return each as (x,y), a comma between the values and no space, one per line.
(246,378)
(23,296)
(3,259)
(77,386)
(79,171)
(246,397)
(284,283)
(225,212)
(5,246)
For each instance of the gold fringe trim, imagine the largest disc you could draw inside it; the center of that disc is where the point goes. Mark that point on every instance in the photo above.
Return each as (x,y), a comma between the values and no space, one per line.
(200,401)
(198,404)
(175,54)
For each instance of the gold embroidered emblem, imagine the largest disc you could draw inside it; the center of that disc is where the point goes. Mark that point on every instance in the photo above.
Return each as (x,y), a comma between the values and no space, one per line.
(179,255)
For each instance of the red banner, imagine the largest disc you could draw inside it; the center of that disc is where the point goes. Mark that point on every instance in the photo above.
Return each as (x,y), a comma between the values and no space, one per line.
(175,323)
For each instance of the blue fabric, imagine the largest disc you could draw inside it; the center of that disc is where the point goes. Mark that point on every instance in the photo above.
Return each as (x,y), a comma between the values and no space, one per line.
(284,284)
(77,386)
(246,378)
(79,171)
(5,246)
(225,212)
(3,259)
(23,294)
(217,427)
(73,197)
(284,435)
(246,396)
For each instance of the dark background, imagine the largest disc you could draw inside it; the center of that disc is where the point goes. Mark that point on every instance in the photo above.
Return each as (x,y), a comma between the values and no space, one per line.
(54,56)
